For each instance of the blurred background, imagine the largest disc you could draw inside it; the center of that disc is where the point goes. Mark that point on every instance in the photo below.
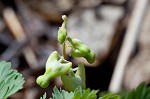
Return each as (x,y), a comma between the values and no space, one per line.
(28,35)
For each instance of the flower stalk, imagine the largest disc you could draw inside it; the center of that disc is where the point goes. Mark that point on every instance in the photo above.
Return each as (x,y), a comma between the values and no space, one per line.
(57,65)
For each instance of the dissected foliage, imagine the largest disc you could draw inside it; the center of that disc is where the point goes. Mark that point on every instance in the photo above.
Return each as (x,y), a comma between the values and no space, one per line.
(10,80)
(44,96)
(141,92)
(78,93)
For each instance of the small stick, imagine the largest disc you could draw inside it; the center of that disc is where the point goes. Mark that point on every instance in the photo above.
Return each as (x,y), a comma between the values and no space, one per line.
(17,30)
(14,24)
(128,44)
(12,50)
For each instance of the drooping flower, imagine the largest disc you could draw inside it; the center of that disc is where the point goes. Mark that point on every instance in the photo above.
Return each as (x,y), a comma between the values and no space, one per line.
(81,50)
(55,66)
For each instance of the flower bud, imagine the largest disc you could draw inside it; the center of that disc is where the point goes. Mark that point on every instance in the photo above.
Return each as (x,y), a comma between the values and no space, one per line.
(72,82)
(55,66)
(90,57)
(62,32)
(64,17)
(77,44)
(77,53)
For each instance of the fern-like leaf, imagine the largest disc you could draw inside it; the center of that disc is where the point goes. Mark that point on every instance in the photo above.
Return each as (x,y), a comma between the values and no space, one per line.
(10,80)
(61,94)
(44,96)
(79,93)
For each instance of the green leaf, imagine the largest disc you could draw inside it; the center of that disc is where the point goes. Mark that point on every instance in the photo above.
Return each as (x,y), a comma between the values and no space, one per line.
(71,82)
(59,95)
(110,96)
(79,93)
(141,92)
(81,72)
(44,96)
(10,80)
(62,94)
(67,94)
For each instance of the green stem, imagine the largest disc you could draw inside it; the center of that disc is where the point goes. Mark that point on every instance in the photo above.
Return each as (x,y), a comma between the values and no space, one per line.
(64,50)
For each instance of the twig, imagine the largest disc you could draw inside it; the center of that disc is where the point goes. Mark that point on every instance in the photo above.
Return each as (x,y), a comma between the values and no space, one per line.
(12,50)
(17,30)
(128,44)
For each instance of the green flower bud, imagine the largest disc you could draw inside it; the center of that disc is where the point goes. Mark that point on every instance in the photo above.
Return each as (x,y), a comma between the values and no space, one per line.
(90,57)
(77,53)
(72,82)
(55,66)
(77,44)
(62,32)
(64,17)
